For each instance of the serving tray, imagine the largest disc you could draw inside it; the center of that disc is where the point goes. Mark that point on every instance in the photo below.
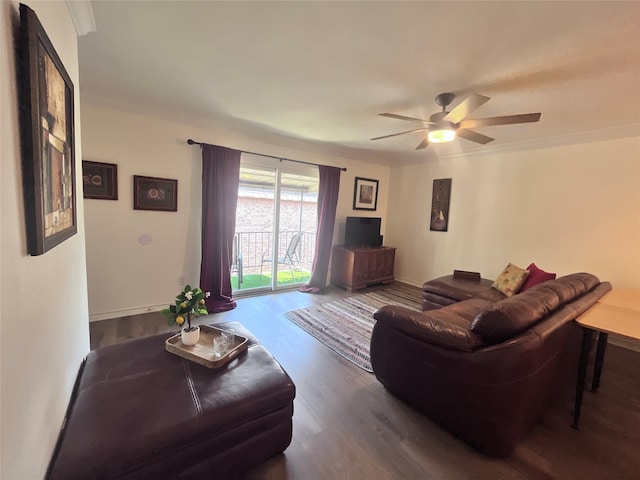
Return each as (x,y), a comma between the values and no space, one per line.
(202,352)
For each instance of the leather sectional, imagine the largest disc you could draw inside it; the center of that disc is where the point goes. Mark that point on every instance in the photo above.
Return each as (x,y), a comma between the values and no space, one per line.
(483,366)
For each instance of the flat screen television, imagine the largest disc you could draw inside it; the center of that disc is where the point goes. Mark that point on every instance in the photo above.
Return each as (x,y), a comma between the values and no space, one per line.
(362,231)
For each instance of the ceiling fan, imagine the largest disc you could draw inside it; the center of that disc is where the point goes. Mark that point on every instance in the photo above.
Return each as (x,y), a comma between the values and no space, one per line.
(444,126)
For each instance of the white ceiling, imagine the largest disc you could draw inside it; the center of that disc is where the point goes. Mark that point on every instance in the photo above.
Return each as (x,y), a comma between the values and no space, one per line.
(320,72)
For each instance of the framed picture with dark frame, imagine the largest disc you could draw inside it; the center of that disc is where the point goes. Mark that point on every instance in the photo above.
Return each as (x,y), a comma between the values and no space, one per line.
(365,194)
(151,193)
(440,198)
(46,99)
(100,180)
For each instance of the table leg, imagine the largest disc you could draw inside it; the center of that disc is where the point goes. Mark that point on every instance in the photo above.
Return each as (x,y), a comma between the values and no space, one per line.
(587,334)
(597,370)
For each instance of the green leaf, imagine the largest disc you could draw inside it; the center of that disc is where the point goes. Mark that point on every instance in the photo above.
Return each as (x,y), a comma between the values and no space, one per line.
(187,289)
(203,311)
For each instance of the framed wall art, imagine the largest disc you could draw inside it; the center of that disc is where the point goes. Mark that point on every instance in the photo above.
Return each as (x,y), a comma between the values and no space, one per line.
(440,205)
(151,193)
(365,194)
(100,180)
(46,98)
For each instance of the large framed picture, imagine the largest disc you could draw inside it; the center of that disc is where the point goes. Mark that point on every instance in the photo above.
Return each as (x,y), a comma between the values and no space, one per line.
(151,193)
(365,194)
(100,180)
(46,98)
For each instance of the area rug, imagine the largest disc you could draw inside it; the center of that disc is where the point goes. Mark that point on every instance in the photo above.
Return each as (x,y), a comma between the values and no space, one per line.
(345,326)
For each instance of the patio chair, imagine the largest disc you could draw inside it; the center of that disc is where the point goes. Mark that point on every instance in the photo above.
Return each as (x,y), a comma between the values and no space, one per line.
(290,257)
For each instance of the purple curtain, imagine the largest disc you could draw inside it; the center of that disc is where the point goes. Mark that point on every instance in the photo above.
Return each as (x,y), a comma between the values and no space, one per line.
(327,203)
(220,178)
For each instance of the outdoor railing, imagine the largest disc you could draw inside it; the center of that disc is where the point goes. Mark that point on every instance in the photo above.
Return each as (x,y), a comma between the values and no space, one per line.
(253,245)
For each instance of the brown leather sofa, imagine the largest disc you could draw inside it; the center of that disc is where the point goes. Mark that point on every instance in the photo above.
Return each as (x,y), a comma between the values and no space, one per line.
(485,370)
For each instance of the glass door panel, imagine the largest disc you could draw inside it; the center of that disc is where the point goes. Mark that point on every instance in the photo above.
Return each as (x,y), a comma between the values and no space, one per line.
(251,265)
(296,226)
(276,221)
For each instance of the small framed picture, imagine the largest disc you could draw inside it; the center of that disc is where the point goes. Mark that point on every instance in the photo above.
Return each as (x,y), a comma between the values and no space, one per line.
(100,180)
(365,194)
(151,193)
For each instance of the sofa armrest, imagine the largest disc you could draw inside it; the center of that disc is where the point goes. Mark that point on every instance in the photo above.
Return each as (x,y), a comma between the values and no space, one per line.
(443,329)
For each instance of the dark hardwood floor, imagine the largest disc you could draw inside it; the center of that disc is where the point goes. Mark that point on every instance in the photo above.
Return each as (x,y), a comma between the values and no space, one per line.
(347,426)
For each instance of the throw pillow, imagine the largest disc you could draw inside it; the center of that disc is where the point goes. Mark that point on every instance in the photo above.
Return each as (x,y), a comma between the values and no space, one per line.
(536,276)
(510,280)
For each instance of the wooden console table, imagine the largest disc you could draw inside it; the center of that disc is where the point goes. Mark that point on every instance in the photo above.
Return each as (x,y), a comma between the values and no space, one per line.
(616,312)
(354,268)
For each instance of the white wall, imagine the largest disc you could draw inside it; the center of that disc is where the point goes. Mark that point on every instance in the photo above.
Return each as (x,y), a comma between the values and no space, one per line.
(569,208)
(44,298)
(125,277)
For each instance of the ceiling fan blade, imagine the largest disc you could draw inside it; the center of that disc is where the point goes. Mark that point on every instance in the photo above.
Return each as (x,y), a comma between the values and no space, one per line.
(401,133)
(505,120)
(473,136)
(423,144)
(402,117)
(467,106)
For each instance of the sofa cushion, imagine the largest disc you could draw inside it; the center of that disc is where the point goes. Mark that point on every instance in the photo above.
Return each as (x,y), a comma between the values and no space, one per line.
(509,317)
(536,276)
(491,294)
(446,327)
(510,280)
(448,289)
(571,286)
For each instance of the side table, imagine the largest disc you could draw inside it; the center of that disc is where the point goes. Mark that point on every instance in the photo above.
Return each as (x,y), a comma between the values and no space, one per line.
(616,312)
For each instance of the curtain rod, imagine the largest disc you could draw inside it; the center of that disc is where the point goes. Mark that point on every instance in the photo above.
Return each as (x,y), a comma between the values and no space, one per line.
(344,169)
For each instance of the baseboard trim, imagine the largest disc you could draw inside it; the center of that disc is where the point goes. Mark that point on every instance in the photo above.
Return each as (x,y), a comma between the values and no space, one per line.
(408,282)
(124,312)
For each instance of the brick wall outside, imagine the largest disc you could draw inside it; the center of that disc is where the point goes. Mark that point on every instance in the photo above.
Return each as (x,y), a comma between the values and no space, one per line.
(254,227)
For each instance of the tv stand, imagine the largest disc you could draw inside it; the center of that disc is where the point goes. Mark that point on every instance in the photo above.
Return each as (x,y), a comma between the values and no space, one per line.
(354,268)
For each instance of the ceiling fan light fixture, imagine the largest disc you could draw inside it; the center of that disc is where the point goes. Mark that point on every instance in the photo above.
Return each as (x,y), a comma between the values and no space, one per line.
(442,135)
(446,126)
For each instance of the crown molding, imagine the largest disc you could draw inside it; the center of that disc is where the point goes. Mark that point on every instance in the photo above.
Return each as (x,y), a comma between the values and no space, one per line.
(82,16)
(591,136)
(379,157)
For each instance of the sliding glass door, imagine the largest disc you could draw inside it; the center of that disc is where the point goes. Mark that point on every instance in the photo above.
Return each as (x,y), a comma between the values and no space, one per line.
(275,228)
(296,226)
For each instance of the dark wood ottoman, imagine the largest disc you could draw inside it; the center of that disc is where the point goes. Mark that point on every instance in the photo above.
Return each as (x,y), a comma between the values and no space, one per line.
(140,412)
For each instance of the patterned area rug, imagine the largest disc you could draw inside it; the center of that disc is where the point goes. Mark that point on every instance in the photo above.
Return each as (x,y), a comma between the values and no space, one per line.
(345,326)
